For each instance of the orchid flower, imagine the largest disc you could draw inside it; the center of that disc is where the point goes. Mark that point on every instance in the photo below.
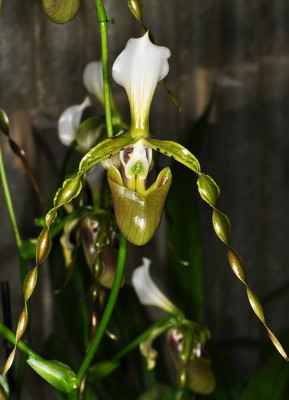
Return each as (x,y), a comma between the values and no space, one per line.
(93,79)
(69,122)
(185,339)
(128,158)
(148,292)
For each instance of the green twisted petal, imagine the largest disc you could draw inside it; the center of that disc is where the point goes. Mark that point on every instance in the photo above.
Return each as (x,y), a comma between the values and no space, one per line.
(209,191)
(70,189)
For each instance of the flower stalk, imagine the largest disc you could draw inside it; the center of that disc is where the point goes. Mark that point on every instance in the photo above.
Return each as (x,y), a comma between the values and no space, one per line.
(107,312)
(102,19)
(9,201)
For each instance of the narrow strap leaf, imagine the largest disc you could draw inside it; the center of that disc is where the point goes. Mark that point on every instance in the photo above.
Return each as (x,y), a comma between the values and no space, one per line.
(209,192)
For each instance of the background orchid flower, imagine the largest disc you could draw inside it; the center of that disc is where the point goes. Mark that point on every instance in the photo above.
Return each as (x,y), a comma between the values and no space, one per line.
(185,339)
(148,292)
(93,79)
(69,122)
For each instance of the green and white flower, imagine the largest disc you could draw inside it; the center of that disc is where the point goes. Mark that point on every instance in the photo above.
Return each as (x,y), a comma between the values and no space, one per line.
(138,69)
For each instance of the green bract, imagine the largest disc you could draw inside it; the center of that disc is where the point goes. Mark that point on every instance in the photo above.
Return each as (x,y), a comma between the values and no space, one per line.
(57,374)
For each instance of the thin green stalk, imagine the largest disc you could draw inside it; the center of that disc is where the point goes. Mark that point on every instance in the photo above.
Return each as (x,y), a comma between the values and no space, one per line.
(73,395)
(102,19)
(165,322)
(108,310)
(9,201)
(80,287)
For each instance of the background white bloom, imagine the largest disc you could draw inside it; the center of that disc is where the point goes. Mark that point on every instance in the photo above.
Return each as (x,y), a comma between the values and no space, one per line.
(147,291)
(69,122)
(138,69)
(93,79)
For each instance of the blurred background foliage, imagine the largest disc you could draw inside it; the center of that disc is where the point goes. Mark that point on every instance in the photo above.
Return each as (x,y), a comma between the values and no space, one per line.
(229,70)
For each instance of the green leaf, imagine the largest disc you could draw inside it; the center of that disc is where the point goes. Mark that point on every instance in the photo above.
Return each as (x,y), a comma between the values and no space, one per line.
(182,216)
(57,374)
(28,249)
(176,393)
(228,384)
(156,392)
(270,383)
(101,370)
(4,388)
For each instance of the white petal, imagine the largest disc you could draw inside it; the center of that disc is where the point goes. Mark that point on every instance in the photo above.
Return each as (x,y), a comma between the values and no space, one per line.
(93,79)
(69,121)
(138,69)
(146,290)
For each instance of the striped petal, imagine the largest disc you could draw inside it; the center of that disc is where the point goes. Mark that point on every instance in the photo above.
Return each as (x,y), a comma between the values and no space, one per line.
(138,69)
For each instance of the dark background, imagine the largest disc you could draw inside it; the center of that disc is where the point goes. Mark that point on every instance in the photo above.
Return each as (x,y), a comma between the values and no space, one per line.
(243,46)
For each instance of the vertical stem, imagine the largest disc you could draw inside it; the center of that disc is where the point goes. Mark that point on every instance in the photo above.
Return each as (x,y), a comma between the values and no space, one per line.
(108,310)
(102,19)
(80,287)
(8,200)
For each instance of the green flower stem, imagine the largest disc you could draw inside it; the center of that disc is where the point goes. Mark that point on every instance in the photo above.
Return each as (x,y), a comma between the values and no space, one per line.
(9,335)
(166,322)
(73,395)
(102,19)
(84,312)
(21,370)
(108,310)
(9,201)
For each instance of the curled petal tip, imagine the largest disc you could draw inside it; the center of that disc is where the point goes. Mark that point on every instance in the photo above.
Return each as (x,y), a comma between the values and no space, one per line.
(147,291)
(93,79)
(69,122)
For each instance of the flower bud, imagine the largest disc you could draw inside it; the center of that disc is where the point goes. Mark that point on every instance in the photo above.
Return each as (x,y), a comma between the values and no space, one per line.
(4,122)
(195,373)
